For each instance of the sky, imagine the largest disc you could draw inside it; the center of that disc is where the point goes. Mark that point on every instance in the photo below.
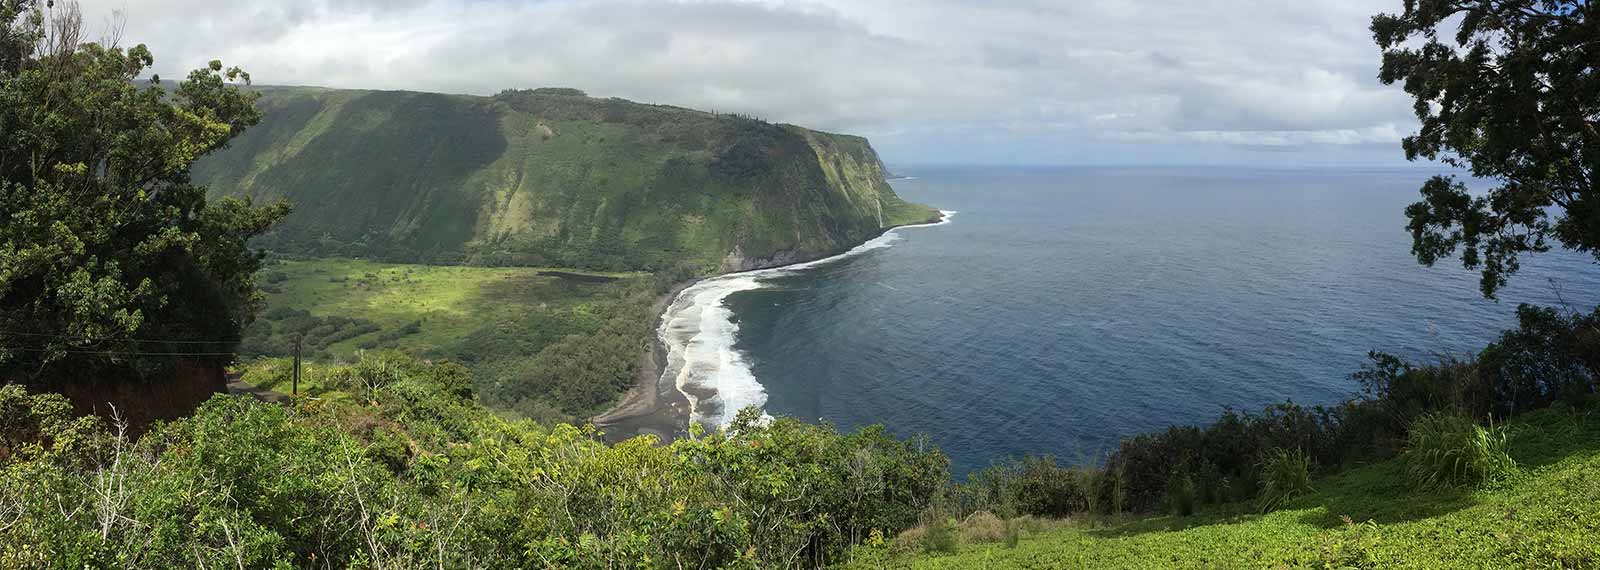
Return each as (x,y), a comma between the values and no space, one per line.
(1070,82)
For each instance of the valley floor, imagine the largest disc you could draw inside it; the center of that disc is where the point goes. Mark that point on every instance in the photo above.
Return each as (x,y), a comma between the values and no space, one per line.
(1547,516)
(511,325)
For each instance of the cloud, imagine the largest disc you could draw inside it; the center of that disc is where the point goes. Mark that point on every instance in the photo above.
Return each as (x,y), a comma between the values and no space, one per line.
(1201,73)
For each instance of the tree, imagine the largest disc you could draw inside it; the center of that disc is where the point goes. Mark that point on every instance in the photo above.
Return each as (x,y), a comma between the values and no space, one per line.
(106,247)
(1514,97)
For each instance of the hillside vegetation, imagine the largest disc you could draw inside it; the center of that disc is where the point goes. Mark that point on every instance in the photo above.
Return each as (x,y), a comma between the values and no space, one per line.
(397,466)
(551,177)
(551,345)
(1488,461)
(1546,516)
(423,309)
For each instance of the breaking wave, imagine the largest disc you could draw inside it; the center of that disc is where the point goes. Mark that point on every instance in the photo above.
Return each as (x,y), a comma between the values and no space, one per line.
(699,333)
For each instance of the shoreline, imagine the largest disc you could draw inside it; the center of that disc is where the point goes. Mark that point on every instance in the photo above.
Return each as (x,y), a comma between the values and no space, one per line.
(649,408)
(644,408)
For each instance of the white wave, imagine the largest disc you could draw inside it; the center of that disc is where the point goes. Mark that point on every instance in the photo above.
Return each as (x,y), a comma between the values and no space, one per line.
(699,332)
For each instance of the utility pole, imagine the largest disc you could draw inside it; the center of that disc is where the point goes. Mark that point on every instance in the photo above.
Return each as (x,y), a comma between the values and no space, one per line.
(297,341)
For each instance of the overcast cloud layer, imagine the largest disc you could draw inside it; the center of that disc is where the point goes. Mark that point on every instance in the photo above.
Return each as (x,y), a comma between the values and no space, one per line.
(941,81)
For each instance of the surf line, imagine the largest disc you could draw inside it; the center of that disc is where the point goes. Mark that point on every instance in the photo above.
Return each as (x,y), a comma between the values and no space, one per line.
(699,332)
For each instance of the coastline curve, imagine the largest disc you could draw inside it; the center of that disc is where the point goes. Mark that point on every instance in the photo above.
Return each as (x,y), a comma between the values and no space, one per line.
(698,332)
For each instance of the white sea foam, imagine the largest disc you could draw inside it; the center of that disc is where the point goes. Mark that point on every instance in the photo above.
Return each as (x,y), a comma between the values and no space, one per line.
(698,332)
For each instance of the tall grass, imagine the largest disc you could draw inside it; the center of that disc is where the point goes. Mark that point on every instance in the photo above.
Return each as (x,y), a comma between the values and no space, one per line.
(1182,495)
(1284,475)
(1448,451)
(939,535)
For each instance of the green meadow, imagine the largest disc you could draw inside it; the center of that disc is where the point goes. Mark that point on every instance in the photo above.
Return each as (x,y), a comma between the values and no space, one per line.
(499,321)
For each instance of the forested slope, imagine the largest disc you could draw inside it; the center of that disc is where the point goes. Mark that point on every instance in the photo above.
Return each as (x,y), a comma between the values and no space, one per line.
(551,177)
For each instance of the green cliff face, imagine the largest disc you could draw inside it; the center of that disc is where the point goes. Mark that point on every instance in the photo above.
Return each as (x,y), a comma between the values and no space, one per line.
(551,177)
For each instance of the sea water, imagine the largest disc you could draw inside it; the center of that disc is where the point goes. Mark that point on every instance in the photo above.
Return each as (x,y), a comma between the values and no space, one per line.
(1060,310)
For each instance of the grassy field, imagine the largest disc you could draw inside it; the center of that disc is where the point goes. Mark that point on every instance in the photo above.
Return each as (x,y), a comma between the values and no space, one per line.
(1547,516)
(498,321)
(448,303)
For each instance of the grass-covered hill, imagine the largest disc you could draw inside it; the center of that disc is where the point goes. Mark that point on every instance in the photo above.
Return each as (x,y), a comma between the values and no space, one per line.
(551,177)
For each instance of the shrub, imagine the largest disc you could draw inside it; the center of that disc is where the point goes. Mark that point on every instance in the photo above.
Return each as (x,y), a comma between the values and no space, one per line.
(405,330)
(1119,489)
(1284,475)
(387,448)
(1405,392)
(1181,495)
(1011,533)
(938,536)
(411,474)
(983,526)
(1547,358)
(1088,482)
(281,313)
(1446,450)
(1033,485)
(1219,460)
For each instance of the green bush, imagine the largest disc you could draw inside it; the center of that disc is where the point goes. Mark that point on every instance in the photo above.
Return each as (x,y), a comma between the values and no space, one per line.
(411,474)
(1548,358)
(1034,485)
(1088,482)
(281,313)
(405,330)
(1446,450)
(1011,533)
(1284,475)
(939,536)
(1182,496)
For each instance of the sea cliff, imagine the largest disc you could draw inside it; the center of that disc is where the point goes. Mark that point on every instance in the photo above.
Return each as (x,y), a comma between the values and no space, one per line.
(552,177)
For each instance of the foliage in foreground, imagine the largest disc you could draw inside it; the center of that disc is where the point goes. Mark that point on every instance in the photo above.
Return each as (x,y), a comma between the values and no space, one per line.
(1542,516)
(1446,450)
(1284,475)
(407,472)
(1508,90)
(106,239)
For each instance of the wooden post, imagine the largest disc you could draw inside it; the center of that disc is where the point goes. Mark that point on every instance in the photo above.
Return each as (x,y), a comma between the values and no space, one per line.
(296,388)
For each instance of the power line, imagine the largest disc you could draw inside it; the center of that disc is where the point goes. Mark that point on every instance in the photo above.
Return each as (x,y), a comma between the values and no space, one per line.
(149,340)
(123,352)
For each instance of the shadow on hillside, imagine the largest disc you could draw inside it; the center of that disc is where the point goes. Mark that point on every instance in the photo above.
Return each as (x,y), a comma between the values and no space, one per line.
(1384,509)
(1380,492)
(1547,436)
(1221,515)
(1375,492)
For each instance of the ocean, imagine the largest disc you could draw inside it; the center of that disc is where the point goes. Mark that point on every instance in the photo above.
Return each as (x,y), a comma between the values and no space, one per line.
(1057,311)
